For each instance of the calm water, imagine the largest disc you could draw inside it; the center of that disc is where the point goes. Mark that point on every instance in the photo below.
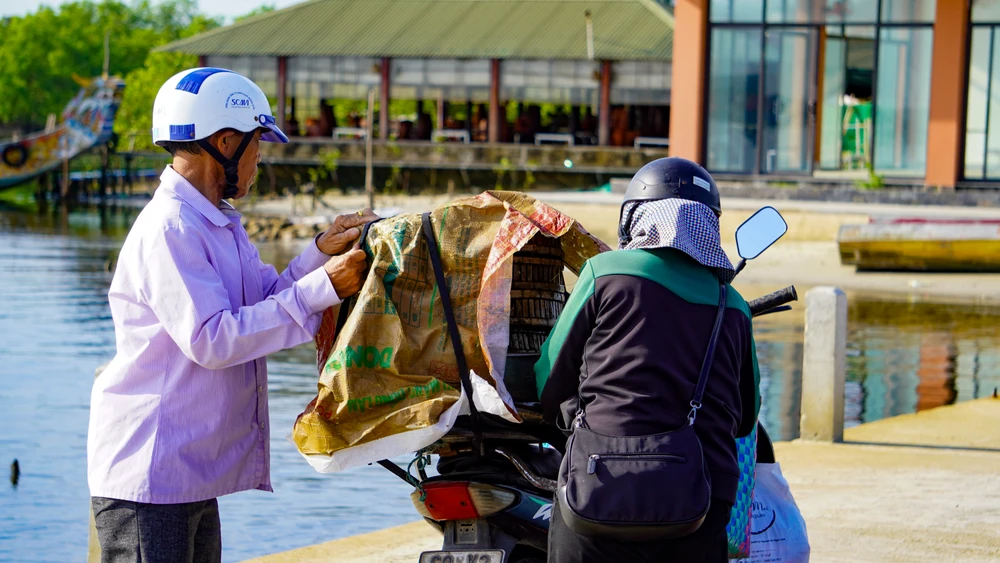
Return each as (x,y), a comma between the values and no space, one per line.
(55,329)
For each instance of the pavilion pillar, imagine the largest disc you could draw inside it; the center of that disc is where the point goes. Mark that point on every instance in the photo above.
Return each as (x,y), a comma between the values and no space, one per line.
(948,94)
(687,83)
(202,61)
(604,110)
(383,104)
(282,90)
(442,109)
(469,127)
(494,123)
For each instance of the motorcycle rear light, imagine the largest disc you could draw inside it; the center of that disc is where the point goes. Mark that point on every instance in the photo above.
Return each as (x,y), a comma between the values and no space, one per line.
(489,499)
(461,501)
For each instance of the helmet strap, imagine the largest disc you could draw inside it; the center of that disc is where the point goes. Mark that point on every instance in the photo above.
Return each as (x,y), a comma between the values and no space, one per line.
(231,166)
(625,227)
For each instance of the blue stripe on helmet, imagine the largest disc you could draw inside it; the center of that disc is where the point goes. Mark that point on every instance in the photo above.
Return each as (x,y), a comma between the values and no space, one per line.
(193,80)
(182,132)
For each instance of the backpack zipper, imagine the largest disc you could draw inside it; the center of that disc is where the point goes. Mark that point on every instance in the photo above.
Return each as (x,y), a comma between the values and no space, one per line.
(594,458)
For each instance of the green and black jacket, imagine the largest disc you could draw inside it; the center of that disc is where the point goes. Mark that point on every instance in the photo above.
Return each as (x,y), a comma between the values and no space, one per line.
(632,339)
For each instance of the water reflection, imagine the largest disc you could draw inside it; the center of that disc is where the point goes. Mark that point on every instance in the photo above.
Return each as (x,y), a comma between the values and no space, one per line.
(56,328)
(901,358)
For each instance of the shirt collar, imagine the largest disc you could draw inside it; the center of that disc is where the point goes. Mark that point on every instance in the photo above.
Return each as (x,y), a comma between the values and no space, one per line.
(173,182)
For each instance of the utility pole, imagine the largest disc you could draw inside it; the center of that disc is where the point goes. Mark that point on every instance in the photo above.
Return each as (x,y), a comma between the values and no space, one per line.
(590,34)
(369,182)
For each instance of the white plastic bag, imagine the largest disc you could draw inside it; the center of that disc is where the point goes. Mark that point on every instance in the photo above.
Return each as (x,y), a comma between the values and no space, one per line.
(777,529)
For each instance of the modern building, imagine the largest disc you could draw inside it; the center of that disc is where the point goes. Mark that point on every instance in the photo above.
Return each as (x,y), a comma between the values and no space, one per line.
(827,90)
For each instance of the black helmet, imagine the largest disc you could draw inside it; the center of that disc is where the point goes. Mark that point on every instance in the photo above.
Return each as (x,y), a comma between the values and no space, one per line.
(671,178)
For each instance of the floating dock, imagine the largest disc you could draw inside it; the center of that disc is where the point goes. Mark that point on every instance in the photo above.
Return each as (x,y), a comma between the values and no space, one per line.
(927,245)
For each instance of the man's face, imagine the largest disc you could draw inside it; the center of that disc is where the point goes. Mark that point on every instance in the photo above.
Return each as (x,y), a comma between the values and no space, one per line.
(248,164)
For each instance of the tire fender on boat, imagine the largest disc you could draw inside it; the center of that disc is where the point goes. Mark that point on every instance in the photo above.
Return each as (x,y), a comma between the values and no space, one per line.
(15,155)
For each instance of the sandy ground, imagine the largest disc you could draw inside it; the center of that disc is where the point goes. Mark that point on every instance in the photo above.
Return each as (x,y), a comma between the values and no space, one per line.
(806,256)
(914,488)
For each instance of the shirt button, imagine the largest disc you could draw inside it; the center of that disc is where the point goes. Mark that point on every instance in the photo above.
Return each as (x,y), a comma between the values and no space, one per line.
(260,388)
(263,426)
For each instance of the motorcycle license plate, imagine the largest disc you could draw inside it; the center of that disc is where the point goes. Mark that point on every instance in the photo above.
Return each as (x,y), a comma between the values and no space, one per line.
(476,556)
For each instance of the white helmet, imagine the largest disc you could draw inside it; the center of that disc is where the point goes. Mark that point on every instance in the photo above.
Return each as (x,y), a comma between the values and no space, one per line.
(195,103)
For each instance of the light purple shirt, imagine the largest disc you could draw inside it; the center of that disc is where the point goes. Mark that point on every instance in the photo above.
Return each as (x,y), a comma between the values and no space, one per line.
(180,414)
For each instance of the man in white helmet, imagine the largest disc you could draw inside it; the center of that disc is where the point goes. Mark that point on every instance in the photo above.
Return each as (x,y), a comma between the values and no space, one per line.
(179,417)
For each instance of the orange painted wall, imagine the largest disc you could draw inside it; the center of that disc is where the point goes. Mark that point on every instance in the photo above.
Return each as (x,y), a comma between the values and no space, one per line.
(948,93)
(687,87)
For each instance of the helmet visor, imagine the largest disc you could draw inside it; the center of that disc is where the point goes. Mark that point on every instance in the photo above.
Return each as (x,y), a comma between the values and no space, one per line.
(273,133)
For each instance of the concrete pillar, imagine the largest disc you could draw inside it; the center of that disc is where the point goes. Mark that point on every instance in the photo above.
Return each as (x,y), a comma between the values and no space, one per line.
(383,107)
(604,110)
(494,120)
(948,94)
(282,90)
(687,84)
(824,365)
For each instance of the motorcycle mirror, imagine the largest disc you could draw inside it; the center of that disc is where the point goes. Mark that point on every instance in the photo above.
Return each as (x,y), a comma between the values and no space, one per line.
(759,232)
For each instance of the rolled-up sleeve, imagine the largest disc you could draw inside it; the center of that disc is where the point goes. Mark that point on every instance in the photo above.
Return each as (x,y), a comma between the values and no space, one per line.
(186,293)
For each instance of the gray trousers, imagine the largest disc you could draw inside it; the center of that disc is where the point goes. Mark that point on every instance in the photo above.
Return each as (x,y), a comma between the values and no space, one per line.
(135,532)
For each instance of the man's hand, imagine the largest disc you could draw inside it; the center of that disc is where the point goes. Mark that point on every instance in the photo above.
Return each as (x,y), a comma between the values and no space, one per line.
(346,272)
(344,230)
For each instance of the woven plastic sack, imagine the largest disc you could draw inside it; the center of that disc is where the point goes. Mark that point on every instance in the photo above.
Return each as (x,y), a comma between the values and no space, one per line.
(389,383)
(738,529)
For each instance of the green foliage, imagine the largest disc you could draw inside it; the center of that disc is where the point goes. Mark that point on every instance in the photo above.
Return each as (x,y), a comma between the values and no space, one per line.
(266,8)
(42,52)
(502,170)
(873,182)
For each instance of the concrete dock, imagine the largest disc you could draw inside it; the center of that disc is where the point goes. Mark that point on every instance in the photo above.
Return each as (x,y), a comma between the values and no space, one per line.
(920,487)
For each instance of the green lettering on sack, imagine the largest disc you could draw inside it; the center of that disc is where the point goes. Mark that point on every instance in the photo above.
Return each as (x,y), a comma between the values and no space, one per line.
(355,356)
(361,404)
(371,357)
(360,357)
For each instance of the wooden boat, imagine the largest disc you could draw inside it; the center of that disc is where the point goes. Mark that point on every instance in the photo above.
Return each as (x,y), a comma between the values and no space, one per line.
(87,122)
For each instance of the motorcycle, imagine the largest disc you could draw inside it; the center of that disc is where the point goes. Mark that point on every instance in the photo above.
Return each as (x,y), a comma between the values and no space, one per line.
(492,498)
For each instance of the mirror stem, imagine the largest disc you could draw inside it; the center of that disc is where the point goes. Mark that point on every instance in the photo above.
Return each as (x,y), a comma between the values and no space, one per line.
(740,266)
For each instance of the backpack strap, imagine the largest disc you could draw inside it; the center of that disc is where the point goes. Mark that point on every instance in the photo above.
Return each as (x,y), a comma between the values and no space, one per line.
(706,364)
(456,341)
(344,307)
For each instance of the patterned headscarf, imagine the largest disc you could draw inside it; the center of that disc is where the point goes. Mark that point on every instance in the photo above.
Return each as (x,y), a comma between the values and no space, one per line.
(688,226)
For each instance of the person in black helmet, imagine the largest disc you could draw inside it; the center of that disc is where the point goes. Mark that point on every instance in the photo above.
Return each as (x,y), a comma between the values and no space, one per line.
(631,340)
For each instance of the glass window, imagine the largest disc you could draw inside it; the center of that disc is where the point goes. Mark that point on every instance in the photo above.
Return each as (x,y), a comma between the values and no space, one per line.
(975,120)
(734,77)
(789,62)
(834,86)
(820,11)
(736,11)
(993,126)
(902,100)
(906,11)
(985,11)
